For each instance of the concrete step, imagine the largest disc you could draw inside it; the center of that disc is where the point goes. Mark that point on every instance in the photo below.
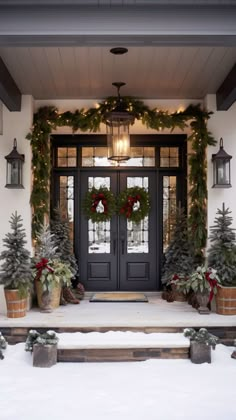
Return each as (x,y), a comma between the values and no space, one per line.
(121,346)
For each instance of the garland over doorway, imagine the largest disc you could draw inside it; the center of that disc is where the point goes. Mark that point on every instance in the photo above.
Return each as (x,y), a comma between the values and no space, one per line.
(48,119)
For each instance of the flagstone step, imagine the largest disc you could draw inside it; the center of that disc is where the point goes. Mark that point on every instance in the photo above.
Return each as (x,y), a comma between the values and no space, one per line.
(121,346)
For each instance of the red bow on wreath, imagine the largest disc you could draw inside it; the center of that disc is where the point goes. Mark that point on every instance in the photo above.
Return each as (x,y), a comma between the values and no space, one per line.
(96,199)
(128,207)
(41,265)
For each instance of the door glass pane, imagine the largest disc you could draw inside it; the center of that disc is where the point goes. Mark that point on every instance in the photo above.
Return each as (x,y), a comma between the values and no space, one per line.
(99,233)
(66,203)
(169,209)
(138,233)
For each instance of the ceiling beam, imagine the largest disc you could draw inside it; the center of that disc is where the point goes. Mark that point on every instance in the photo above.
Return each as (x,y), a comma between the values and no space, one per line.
(9,92)
(226,94)
(107,25)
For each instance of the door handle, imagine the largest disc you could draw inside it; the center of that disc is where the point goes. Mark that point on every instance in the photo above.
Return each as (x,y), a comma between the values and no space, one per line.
(122,246)
(114,246)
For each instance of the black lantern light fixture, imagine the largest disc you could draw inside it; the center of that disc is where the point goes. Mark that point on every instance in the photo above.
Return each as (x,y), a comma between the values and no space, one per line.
(221,168)
(117,123)
(14,168)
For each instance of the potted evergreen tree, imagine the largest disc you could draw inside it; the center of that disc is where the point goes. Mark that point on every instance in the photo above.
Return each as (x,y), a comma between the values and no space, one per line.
(16,269)
(49,271)
(179,257)
(222,256)
(43,346)
(201,343)
(61,231)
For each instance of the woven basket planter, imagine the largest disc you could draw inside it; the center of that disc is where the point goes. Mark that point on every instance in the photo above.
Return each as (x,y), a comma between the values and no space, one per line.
(226,301)
(16,305)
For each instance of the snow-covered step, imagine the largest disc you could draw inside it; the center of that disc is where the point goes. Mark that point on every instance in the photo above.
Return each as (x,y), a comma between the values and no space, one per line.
(120,346)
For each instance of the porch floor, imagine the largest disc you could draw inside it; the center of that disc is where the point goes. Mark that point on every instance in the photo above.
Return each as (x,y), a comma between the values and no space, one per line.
(155,315)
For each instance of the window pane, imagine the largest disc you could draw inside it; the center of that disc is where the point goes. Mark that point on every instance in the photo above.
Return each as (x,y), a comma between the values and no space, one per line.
(67,201)
(138,233)
(169,209)
(97,156)
(169,157)
(66,156)
(99,233)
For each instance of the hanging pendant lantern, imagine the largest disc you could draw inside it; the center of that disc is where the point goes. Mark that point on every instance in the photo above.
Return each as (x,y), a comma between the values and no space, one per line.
(221,168)
(14,168)
(117,123)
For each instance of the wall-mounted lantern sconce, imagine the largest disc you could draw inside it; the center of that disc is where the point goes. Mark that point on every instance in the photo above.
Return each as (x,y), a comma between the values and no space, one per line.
(14,168)
(117,122)
(221,168)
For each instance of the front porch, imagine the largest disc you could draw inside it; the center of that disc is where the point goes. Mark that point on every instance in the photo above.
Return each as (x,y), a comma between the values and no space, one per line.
(156,316)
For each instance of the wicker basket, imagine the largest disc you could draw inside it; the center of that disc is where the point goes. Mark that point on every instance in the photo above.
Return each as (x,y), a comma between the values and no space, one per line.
(226,301)
(16,306)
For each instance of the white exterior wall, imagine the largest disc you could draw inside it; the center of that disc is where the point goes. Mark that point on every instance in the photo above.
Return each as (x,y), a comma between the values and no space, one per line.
(221,124)
(15,125)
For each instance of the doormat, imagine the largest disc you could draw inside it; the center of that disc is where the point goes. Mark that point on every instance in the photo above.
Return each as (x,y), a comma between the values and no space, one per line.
(119,297)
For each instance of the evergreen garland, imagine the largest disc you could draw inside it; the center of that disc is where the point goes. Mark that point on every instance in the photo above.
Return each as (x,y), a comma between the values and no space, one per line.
(131,197)
(48,118)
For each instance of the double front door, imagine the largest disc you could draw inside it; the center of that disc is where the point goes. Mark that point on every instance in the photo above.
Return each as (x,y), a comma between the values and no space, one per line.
(119,254)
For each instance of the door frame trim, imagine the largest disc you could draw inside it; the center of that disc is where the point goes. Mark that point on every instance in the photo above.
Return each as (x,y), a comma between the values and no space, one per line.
(80,140)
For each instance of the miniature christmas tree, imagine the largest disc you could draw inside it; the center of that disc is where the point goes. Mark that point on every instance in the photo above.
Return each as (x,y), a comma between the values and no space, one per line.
(222,251)
(16,268)
(179,256)
(60,229)
(45,244)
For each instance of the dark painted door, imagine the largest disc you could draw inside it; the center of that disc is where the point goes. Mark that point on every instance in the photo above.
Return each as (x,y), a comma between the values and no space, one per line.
(118,254)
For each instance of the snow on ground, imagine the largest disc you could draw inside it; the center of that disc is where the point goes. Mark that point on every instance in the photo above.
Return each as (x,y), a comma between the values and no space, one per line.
(150,390)
(121,339)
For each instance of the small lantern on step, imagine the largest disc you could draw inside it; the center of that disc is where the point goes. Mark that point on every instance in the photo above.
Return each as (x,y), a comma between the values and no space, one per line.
(14,168)
(221,168)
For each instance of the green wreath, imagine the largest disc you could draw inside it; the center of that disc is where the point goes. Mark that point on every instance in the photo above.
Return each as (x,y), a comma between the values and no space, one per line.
(99,204)
(134,204)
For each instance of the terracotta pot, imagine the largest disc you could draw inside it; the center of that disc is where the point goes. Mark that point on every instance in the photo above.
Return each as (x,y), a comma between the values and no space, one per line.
(47,301)
(16,305)
(226,301)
